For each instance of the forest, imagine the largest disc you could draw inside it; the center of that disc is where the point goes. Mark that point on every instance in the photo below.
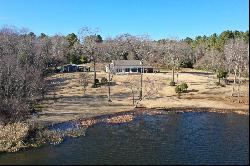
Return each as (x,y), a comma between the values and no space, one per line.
(26,59)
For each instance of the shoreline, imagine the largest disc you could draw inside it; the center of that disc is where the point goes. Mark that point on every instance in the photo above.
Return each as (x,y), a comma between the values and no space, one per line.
(37,136)
(204,109)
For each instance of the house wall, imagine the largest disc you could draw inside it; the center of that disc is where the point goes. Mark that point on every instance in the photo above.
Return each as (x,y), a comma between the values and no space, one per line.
(129,69)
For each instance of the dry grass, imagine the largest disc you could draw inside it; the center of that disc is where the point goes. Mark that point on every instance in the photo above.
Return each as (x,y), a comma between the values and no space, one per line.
(120,119)
(12,135)
(71,104)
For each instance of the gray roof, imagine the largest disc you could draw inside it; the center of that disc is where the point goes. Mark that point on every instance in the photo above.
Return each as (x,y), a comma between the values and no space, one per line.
(126,62)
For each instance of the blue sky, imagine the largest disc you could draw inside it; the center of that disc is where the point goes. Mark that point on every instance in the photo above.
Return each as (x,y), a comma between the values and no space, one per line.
(156,18)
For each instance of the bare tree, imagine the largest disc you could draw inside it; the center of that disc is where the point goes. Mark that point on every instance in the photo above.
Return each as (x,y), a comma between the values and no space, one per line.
(133,86)
(151,88)
(91,46)
(172,53)
(236,52)
(84,81)
(24,60)
(58,49)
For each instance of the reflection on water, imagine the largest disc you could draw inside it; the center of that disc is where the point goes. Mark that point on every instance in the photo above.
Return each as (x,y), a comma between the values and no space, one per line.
(183,138)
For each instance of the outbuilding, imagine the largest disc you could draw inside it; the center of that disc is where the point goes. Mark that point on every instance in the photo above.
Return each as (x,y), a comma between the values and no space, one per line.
(70,68)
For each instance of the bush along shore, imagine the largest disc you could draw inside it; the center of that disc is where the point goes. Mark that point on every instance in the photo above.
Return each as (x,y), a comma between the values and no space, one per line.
(22,135)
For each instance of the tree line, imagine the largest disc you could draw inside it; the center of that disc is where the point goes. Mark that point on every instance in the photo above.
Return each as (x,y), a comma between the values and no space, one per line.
(26,59)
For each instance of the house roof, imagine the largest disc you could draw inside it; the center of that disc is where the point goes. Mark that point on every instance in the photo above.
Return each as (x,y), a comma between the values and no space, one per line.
(126,62)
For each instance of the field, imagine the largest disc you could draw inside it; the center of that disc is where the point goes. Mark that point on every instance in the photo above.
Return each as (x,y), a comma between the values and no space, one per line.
(67,101)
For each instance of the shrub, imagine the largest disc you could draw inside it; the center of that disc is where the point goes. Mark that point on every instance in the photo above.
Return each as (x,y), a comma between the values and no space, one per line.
(96,84)
(221,74)
(178,89)
(172,83)
(186,64)
(83,59)
(96,81)
(48,71)
(181,88)
(104,80)
(184,87)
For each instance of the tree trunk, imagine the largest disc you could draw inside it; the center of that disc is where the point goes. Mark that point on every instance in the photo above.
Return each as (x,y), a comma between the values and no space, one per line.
(234,82)
(141,88)
(109,86)
(239,83)
(84,91)
(177,76)
(173,74)
(94,75)
(133,98)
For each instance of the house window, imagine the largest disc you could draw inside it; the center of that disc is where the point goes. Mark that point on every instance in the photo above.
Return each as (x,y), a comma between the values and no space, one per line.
(134,70)
(118,70)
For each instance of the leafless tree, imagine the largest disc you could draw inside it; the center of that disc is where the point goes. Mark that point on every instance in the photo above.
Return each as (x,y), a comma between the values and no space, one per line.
(91,46)
(133,86)
(84,81)
(24,58)
(151,88)
(59,49)
(237,59)
(172,53)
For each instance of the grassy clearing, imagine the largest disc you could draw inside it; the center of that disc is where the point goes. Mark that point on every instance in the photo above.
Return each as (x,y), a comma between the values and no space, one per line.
(202,92)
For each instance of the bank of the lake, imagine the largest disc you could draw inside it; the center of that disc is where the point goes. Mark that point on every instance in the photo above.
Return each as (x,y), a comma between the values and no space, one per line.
(22,135)
(147,136)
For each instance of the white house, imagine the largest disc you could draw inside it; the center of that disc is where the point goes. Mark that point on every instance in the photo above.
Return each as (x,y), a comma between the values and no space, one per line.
(128,67)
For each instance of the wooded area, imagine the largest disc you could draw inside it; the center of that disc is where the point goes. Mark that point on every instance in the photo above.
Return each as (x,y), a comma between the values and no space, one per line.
(26,59)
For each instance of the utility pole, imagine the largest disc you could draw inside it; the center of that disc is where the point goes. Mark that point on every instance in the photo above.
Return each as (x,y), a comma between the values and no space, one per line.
(94,83)
(173,70)
(177,72)
(142,70)
(109,100)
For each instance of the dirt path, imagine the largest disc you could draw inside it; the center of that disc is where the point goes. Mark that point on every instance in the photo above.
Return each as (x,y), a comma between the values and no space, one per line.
(71,104)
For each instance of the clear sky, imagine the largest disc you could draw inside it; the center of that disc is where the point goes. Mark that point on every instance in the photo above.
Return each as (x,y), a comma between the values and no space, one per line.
(157,18)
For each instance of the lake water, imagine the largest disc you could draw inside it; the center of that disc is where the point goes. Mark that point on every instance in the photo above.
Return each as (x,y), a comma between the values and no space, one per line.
(175,138)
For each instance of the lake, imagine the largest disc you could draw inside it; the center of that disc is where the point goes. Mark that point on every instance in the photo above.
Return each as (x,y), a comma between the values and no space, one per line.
(175,138)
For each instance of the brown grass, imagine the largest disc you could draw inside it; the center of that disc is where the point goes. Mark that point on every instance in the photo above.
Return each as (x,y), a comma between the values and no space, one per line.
(202,92)
(120,119)
(12,136)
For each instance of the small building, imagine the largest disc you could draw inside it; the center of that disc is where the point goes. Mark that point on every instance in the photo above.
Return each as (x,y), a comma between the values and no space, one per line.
(70,68)
(83,68)
(128,67)
(75,68)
